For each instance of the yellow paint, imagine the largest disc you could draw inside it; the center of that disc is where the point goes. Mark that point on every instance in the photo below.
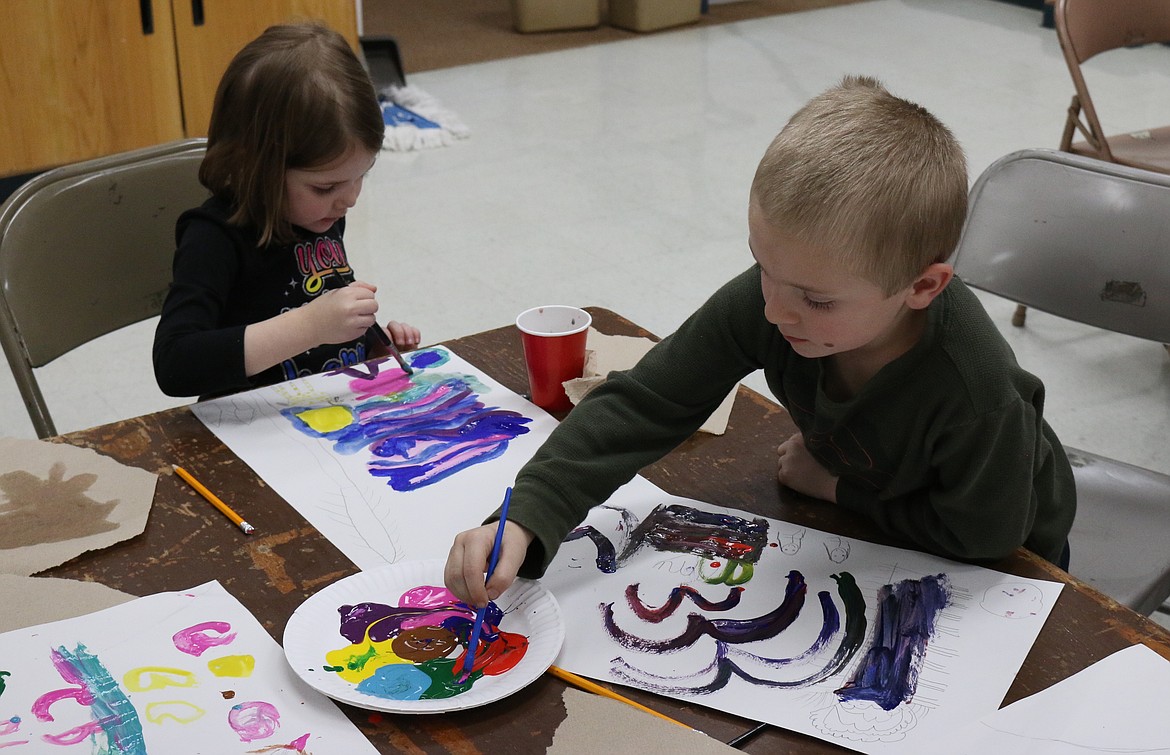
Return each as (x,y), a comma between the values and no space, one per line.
(327,419)
(361,661)
(147,678)
(179,711)
(232,665)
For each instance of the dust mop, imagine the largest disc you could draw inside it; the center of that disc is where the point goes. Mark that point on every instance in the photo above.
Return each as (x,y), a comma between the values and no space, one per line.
(415,120)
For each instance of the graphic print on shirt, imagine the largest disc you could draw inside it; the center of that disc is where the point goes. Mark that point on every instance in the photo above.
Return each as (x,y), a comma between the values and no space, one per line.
(319,260)
(323,266)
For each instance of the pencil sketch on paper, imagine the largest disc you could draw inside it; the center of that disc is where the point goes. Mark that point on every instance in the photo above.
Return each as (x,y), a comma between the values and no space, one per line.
(387,465)
(869,646)
(197,667)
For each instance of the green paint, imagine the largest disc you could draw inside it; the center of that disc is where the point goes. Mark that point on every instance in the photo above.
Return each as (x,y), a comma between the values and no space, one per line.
(334,668)
(734,573)
(445,681)
(358,662)
(2,675)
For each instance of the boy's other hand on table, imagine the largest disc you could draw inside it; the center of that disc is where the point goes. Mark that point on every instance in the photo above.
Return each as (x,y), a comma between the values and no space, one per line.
(798,469)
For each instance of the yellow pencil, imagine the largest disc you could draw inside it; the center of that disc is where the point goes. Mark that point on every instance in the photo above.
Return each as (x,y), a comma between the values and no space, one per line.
(214,500)
(588,686)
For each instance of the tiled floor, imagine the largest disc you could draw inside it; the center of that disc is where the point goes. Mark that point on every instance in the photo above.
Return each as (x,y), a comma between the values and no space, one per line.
(616,175)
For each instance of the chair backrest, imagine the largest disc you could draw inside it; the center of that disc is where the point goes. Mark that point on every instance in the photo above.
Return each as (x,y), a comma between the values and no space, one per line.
(1076,237)
(87,249)
(1088,27)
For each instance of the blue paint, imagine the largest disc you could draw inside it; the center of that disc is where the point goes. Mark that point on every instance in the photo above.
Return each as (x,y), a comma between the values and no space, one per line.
(396,681)
(907,615)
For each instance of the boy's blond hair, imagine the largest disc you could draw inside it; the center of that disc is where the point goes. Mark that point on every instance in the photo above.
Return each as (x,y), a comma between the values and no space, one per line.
(875,180)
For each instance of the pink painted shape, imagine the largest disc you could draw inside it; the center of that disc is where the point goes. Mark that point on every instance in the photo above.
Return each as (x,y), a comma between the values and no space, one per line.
(13,744)
(197,639)
(74,735)
(386,382)
(254,720)
(300,742)
(427,596)
(40,707)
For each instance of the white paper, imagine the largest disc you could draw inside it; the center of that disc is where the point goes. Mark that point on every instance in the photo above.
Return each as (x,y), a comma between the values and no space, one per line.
(182,672)
(330,483)
(952,675)
(1116,705)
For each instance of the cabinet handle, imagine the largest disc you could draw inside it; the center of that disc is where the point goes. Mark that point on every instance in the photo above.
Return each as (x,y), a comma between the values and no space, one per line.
(146,14)
(197,12)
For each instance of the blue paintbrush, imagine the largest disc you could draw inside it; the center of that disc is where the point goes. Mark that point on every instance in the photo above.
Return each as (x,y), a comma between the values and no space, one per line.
(477,627)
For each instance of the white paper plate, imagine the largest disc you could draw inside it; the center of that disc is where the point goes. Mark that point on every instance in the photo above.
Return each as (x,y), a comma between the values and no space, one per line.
(313,630)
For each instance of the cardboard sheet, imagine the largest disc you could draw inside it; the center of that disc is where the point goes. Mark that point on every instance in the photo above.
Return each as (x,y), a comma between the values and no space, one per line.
(598,724)
(604,354)
(58,501)
(29,601)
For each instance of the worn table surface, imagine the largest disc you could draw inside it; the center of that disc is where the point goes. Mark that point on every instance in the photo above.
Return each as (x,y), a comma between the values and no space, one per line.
(187,542)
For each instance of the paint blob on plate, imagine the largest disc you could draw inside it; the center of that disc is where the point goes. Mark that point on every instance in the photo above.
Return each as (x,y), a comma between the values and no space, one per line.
(391,639)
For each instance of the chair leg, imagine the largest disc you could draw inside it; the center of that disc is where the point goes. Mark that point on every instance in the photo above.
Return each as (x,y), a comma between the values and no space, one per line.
(1019,315)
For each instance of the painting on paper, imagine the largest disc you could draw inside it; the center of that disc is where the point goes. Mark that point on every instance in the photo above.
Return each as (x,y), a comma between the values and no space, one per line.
(185,671)
(878,649)
(388,466)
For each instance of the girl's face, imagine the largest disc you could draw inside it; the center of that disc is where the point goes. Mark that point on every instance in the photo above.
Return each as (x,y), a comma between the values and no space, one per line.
(319,197)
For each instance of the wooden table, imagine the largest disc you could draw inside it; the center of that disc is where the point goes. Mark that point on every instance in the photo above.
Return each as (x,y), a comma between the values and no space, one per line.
(186,542)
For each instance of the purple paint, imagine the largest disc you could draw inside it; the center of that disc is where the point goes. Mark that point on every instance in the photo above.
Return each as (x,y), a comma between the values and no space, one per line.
(907,616)
(682,529)
(423,428)
(674,600)
(725,630)
(723,668)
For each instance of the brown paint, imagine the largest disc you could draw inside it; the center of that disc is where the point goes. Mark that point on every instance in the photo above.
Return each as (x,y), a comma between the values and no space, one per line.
(423,644)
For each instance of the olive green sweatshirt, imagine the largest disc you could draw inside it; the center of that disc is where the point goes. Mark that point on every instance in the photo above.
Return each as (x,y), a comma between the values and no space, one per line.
(945,447)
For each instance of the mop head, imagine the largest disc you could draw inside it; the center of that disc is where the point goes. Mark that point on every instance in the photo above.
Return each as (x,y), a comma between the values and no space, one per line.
(415,120)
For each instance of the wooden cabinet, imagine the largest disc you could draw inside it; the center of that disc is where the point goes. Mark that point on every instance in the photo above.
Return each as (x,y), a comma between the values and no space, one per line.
(85,78)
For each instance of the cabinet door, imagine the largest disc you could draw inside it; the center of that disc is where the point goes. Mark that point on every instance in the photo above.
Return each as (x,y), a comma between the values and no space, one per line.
(209,33)
(81,78)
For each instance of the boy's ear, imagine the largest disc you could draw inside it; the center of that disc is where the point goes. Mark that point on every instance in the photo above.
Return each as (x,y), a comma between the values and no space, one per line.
(929,284)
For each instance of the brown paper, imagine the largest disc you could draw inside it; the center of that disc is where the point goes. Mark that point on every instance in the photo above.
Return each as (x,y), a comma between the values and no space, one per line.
(598,724)
(58,501)
(29,601)
(604,354)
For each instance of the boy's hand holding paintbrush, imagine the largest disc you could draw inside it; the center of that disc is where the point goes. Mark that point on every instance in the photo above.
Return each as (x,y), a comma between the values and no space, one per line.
(472,549)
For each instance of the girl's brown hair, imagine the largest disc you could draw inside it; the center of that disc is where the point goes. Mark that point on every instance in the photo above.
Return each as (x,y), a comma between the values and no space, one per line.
(295,97)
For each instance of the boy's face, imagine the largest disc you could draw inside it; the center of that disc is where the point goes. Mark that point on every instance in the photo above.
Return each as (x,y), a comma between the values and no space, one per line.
(318,198)
(820,307)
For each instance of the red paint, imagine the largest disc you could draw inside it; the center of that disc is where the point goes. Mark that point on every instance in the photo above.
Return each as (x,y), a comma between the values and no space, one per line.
(494,658)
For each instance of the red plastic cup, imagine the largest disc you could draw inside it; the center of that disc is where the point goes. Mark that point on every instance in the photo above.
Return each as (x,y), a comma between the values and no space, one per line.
(554,351)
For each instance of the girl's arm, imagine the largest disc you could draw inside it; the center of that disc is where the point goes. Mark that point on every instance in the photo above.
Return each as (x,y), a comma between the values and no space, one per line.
(336,316)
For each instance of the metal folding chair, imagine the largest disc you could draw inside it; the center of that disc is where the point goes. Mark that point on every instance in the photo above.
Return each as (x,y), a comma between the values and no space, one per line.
(1088,241)
(86,249)
(1087,28)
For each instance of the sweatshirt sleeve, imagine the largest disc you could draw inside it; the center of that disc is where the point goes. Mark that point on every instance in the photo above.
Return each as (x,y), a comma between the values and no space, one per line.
(193,353)
(980,502)
(638,416)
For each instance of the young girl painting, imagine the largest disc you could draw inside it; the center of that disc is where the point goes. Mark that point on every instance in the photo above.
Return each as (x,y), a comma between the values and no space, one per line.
(262,288)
